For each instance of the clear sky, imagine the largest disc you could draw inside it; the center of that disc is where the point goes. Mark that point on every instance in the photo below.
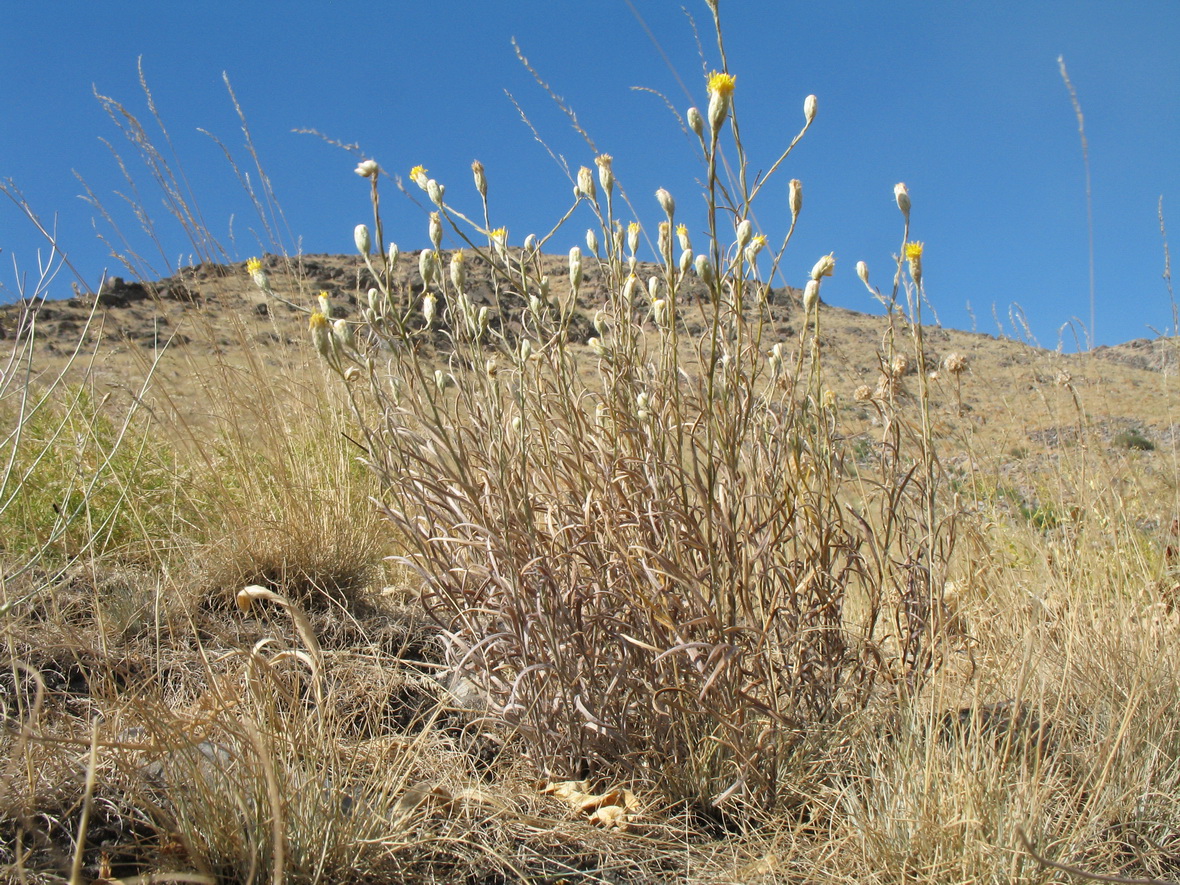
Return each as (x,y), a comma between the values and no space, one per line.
(962,101)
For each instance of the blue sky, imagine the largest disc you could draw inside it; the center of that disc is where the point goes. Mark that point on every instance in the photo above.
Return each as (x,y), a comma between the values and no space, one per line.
(962,101)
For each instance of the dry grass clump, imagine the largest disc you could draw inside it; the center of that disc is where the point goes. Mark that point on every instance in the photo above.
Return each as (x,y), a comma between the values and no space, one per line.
(645,554)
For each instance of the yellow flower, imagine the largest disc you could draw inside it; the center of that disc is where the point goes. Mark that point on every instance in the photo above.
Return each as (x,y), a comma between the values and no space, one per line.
(253,266)
(317,321)
(721,84)
(419,177)
(913,251)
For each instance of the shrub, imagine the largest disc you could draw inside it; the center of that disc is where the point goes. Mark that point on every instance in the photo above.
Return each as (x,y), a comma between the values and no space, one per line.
(645,552)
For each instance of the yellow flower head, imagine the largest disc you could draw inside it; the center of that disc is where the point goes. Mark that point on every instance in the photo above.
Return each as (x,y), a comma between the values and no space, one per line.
(418,172)
(682,230)
(913,251)
(500,235)
(317,321)
(721,84)
(759,241)
(633,228)
(253,266)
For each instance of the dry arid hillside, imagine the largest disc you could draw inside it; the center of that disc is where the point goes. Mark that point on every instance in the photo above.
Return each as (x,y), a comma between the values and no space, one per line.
(892,616)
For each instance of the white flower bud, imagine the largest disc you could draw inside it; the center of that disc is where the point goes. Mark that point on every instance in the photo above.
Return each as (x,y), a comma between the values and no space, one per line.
(862,271)
(394,254)
(441,381)
(536,306)
(795,198)
(629,289)
(666,202)
(685,261)
(342,334)
(665,240)
(526,350)
(810,105)
(576,268)
(436,231)
(321,334)
(530,244)
(704,268)
(481,183)
(745,231)
(435,191)
(426,266)
(368,169)
(586,183)
(361,237)
(459,270)
(696,122)
(659,311)
(373,297)
(824,267)
(429,307)
(632,237)
(481,322)
(902,194)
(606,175)
(654,286)
(596,346)
(811,296)
(592,242)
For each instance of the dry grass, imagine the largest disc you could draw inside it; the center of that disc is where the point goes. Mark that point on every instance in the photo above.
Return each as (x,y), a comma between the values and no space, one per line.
(785,630)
